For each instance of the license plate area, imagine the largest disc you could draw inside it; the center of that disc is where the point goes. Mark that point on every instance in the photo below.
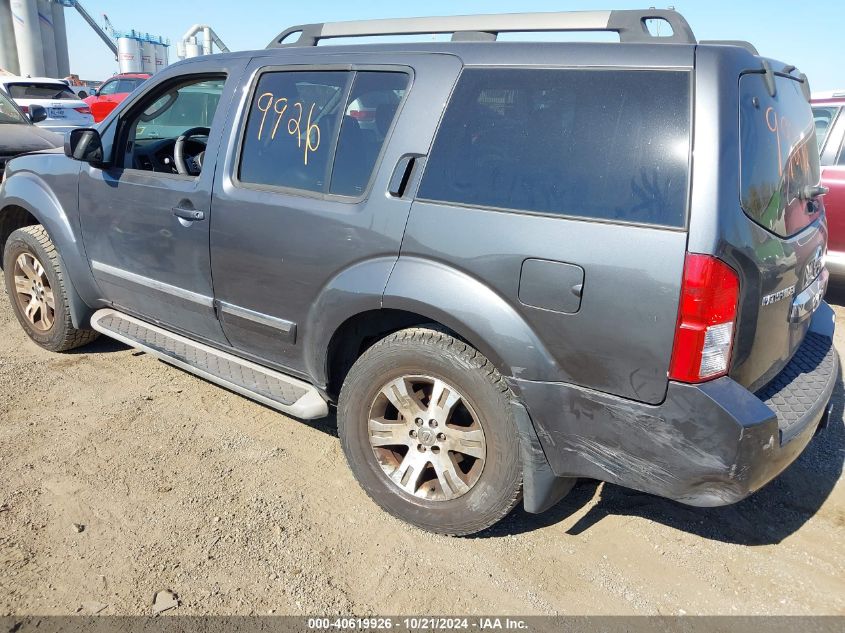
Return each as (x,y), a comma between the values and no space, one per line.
(56,113)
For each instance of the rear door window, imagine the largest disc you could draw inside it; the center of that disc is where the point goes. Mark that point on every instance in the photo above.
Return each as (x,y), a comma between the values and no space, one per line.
(778,152)
(319,131)
(600,144)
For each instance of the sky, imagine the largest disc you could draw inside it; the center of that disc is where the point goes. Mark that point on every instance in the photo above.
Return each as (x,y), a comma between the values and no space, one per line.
(808,34)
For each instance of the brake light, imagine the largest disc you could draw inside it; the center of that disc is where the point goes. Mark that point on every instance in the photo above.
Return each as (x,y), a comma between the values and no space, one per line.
(83,110)
(24,109)
(706,320)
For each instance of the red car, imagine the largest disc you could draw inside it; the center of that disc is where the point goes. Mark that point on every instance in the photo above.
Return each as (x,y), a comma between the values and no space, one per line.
(113,91)
(829,115)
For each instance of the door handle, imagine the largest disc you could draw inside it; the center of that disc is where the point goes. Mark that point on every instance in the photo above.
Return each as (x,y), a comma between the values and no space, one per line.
(188,214)
(402,175)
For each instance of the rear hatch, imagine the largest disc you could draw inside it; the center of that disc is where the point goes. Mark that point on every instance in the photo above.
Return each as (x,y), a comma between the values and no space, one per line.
(781,262)
(64,107)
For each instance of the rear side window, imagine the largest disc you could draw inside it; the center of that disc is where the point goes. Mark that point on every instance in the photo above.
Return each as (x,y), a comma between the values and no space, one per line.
(603,144)
(128,85)
(319,131)
(778,152)
(823,118)
(55,92)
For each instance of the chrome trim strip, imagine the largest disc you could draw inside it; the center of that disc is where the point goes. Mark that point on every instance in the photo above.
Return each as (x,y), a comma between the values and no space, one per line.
(809,299)
(257,317)
(140,280)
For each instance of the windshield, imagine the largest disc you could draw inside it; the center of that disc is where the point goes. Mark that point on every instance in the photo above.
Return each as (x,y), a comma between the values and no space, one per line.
(779,154)
(8,112)
(55,91)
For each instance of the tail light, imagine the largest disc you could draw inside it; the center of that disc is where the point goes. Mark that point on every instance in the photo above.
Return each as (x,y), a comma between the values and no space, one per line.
(24,109)
(83,110)
(706,320)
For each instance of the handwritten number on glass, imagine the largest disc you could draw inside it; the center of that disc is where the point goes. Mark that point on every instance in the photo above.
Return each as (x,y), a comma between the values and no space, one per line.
(268,101)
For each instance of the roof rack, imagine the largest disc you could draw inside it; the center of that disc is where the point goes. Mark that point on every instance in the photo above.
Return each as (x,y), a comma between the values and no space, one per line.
(631,25)
(741,43)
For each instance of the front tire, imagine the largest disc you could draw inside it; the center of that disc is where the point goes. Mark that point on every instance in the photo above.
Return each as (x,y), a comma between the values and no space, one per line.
(426,425)
(36,287)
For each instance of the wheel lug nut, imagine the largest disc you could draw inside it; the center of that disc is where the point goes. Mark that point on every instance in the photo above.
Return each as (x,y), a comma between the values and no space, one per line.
(432,423)
(441,436)
(413,433)
(418,422)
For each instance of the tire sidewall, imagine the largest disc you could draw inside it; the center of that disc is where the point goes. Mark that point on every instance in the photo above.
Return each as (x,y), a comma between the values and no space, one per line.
(19,242)
(495,487)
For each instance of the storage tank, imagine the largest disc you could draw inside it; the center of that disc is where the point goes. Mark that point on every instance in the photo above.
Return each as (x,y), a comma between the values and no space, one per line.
(28,37)
(129,55)
(160,51)
(61,39)
(48,38)
(8,47)
(148,57)
(192,49)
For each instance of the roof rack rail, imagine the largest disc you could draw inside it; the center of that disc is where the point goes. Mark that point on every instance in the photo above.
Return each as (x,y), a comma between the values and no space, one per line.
(631,25)
(741,43)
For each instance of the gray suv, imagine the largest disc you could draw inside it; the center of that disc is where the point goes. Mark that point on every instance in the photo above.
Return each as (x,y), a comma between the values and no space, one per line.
(507,264)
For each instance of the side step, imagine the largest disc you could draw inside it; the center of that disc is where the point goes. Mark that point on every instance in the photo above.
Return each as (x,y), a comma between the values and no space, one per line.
(274,389)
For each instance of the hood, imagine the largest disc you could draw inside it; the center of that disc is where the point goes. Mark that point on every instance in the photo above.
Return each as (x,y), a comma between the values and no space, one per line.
(17,138)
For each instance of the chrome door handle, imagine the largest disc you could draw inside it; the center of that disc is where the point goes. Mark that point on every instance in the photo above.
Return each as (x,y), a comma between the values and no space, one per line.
(188,214)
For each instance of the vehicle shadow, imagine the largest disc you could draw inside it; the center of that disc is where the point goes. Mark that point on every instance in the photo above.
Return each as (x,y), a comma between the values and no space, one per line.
(766,517)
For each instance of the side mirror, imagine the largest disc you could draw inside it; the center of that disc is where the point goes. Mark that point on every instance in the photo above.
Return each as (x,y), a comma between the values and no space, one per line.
(85,144)
(37,113)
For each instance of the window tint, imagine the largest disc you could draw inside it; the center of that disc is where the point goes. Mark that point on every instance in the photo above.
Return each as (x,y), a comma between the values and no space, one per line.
(292,137)
(109,88)
(778,151)
(373,102)
(128,85)
(56,92)
(292,121)
(592,143)
(823,118)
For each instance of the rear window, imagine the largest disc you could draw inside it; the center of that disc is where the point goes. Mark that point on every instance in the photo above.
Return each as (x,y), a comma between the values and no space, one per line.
(778,152)
(603,144)
(56,92)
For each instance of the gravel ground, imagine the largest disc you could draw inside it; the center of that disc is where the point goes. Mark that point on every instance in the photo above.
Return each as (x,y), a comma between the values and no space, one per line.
(122,477)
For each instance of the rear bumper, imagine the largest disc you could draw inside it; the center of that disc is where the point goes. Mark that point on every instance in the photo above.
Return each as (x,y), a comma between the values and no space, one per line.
(706,445)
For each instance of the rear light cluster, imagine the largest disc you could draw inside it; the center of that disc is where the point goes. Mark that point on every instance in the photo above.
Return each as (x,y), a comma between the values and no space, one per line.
(706,320)
(24,109)
(83,110)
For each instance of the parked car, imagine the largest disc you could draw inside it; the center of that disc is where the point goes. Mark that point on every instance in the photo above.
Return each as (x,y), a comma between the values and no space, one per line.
(18,134)
(515,277)
(65,110)
(830,135)
(112,91)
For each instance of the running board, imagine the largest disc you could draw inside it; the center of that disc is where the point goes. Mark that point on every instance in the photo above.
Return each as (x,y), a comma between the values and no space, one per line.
(274,389)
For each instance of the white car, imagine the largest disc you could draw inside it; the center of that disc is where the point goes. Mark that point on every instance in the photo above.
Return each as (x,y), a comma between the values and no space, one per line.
(65,110)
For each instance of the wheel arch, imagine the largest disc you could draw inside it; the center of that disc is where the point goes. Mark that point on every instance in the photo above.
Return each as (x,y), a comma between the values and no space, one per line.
(27,200)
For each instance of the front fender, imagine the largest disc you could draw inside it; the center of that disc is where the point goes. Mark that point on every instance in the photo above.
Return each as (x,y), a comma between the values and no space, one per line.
(28,190)
(472,310)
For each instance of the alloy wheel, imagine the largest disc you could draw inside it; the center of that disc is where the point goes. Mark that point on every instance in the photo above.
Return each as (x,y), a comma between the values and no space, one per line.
(33,293)
(427,438)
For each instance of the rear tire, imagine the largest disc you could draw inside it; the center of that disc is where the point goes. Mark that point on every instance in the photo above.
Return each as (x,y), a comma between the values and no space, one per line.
(35,283)
(427,428)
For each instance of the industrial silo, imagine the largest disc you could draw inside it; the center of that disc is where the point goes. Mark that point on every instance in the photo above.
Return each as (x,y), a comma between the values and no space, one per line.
(61,39)
(148,57)
(8,49)
(28,37)
(192,49)
(129,54)
(48,38)
(160,55)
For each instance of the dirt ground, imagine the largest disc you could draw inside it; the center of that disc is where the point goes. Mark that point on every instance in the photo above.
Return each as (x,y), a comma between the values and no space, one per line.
(121,476)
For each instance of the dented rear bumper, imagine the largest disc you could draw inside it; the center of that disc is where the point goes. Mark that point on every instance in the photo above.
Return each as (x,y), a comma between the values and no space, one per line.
(706,445)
